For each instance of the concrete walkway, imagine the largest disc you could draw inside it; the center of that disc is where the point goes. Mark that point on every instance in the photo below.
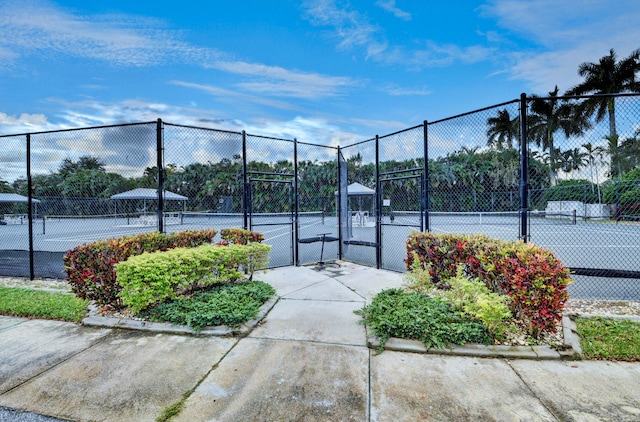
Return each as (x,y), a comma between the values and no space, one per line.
(307,360)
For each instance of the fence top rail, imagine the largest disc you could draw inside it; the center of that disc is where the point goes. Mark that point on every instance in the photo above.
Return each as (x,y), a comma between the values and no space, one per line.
(44,132)
(202,128)
(358,143)
(270,137)
(316,145)
(474,111)
(582,97)
(401,131)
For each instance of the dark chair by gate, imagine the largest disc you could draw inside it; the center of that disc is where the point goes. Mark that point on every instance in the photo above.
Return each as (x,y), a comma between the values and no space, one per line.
(320,237)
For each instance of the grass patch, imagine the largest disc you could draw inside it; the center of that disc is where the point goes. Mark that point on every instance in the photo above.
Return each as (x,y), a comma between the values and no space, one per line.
(412,315)
(609,339)
(171,411)
(229,304)
(31,303)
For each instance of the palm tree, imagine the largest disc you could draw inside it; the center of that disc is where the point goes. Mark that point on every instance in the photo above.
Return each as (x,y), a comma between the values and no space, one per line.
(549,115)
(594,156)
(573,160)
(502,130)
(608,76)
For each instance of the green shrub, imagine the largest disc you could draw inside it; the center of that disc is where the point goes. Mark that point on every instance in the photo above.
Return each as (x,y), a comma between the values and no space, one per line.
(410,315)
(91,267)
(531,276)
(418,279)
(475,299)
(240,236)
(624,191)
(155,277)
(228,304)
(572,190)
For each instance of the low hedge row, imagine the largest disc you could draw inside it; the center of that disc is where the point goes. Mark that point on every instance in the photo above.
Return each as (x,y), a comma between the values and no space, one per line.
(240,236)
(91,267)
(532,276)
(153,278)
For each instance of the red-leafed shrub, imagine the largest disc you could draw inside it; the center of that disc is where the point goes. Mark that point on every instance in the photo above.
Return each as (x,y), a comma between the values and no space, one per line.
(91,267)
(240,236)
(532,276)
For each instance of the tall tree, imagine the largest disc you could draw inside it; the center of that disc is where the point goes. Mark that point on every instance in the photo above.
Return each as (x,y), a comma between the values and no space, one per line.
(502,130)
(86,162)
(594,157)
(548,116)
(608,76)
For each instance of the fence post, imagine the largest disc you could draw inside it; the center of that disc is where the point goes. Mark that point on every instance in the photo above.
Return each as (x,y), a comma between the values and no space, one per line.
(30,205)
(160,165)
(426,200)
(378,208)
(245,197)
(524,169)
(296,203)
(339,204)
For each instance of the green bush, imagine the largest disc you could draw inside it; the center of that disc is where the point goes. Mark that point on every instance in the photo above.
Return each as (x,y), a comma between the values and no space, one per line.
(572,190)
(410,315)
(227,304)
(533,278)
(91,267)
(152,278)
(476,300)
(240,236)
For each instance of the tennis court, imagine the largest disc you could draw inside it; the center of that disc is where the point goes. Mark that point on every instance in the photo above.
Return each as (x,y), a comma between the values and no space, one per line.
(571,239)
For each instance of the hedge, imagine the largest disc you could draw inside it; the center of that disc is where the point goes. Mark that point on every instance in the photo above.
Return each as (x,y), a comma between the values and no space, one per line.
(532,276)
(91,267)
(152,278)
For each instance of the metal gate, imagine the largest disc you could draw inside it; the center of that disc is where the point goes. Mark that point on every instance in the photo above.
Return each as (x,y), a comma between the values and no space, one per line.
(402,212)
(271,212)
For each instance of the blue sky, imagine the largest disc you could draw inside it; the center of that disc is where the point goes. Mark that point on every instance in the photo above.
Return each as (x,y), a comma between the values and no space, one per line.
(330,72)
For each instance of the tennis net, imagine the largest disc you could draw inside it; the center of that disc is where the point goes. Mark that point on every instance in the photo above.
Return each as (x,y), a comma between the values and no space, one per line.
(488,217)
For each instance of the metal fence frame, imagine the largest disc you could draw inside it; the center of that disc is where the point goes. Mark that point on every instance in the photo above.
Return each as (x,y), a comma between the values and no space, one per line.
(339,202)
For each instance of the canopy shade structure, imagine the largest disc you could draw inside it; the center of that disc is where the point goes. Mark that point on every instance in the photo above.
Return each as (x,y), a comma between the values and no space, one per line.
(356,189)
(15,198)
(147,193)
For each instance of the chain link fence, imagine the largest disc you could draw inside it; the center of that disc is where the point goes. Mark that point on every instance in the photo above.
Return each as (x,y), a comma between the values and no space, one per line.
(572,186)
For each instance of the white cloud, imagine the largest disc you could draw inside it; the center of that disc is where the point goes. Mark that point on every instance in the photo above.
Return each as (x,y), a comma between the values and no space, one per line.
(39,27)
(23,121)
(563,35)
(227,95)
(306,129)
(275,80)
(352,28)
(390,6)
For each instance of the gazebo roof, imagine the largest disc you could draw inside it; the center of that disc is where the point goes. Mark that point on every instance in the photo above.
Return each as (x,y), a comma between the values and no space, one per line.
(356,189)
(15,198)
(147,193)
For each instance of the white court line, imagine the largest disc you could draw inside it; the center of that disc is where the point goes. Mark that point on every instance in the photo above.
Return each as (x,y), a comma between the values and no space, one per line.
(288,233)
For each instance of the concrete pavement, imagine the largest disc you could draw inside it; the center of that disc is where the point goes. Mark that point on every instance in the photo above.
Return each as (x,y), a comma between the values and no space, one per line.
(307,360)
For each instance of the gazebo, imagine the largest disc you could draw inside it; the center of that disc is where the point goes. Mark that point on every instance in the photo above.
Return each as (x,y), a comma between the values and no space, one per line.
(148,194)
(360,217)
(14,198)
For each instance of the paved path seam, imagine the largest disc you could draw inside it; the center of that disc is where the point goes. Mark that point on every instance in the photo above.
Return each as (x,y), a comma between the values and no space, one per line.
(533,393)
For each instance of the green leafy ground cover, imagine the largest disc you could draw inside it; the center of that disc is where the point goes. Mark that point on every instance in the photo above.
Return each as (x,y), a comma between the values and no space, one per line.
(29,303)
(229,304)
(609,339)
(411,315)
